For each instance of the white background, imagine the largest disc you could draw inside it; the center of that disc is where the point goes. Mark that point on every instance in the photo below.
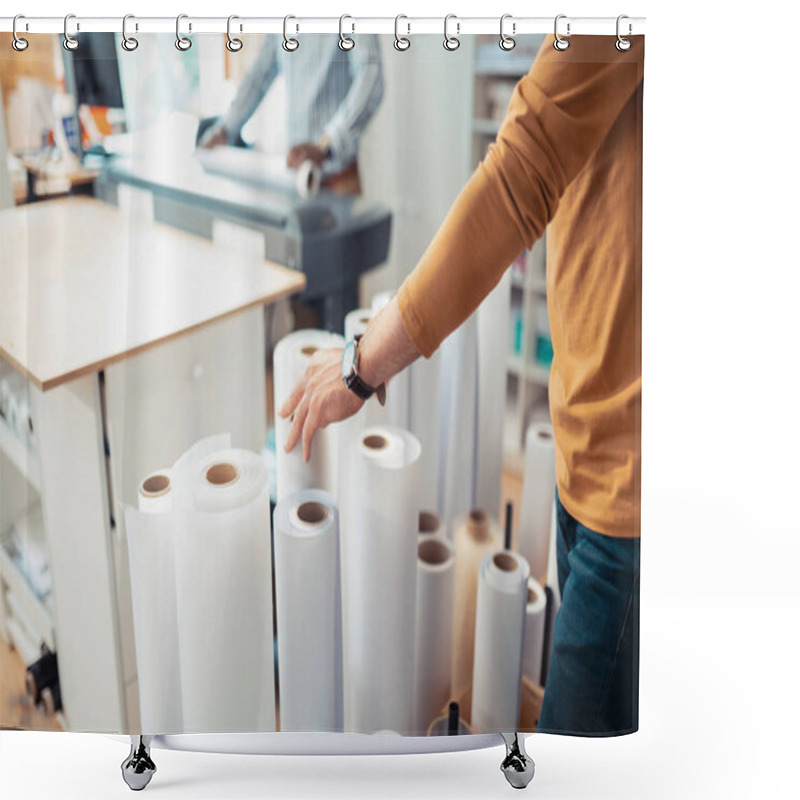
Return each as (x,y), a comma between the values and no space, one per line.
(720,600)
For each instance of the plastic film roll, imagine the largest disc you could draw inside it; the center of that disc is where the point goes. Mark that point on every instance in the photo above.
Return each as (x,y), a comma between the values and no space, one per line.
(538,496)
(430,524)
(293,354)
(499,630)
(535,622)
(308,606)
(473,538)
(435,585)
(379,516)
(150,531)
(224,592)
(493,326)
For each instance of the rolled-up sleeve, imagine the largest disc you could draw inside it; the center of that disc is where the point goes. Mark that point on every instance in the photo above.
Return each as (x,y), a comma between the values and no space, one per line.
(345,128)
(558,116)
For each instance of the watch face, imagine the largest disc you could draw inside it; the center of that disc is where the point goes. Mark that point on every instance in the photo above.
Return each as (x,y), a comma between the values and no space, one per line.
(349,361)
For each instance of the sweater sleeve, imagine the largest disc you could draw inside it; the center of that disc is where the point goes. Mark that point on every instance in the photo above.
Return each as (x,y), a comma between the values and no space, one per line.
(558,116)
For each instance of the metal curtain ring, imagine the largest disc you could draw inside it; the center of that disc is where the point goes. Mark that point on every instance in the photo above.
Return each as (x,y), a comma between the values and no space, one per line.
(18,43)
(233,44)
(623,44)
(289,44)
(345,42)
(451,42)
(507,42)
(183,43)
(560,43)
(70,42)
(129,43)
(401,43)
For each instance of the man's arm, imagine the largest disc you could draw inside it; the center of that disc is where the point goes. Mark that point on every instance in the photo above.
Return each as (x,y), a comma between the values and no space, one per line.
(251,92)
(343,131)
(559,115)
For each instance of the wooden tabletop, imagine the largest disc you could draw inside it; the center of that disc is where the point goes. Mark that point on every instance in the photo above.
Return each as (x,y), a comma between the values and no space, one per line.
(83,285)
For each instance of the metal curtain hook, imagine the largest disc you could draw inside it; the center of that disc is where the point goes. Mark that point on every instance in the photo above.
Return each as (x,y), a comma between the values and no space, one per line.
(560,43)
(507,42)
(18,43)
(233,44)
(451,42)
(623,44)
(289,44)
(183,43)
(401,42)
(70,42)
(129,43)
(346,42)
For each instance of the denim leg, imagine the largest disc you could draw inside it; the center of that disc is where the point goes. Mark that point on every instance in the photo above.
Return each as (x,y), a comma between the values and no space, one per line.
(592,681)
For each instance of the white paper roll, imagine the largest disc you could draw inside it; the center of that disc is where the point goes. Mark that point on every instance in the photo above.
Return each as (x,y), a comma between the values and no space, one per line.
(499,630)
(309,179)
(535,620)
(436,561)
(150,533)
(293,354)
(308,607)
(379,515)
(473,538)
(459,419)
(425,422)
(224,592)
(430,524)
(538,496)
(493,326)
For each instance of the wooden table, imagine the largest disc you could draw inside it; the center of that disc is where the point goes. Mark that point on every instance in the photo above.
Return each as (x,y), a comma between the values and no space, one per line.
(136,339)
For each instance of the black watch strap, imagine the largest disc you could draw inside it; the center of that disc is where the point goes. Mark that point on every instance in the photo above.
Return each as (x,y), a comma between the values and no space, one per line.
(356,385)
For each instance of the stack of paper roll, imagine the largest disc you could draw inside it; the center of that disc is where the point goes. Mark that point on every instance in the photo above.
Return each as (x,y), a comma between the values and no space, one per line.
(535,622)
(379,513)
(430,524)
(473,538)
(151,555)
(459,407)
(493,325)
(308,606)
(538,497)
(355,323)
(293,355)
(499,631)
(435,585)
(224,583)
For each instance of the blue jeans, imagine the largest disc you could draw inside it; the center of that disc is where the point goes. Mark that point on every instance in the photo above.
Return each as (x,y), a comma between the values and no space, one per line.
(592,684)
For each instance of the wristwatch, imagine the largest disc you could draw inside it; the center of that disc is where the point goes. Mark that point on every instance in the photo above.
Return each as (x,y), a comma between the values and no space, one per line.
(352,379)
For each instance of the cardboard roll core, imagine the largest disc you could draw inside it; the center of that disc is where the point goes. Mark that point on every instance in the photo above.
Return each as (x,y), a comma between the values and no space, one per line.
(222,474)
(505,562)
(433,551)
(478,523)
(155,485)
(544,435)
(312,513)
(532,596)
(428,522)
(376,442)
(309,350)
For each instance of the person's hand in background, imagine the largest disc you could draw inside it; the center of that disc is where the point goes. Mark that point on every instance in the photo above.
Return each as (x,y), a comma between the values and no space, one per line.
(215,136)
(319,399)
(306,152)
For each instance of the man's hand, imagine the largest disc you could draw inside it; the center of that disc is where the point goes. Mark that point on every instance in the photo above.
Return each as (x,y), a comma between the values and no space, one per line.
(320,398)
(213,137)
(305,152)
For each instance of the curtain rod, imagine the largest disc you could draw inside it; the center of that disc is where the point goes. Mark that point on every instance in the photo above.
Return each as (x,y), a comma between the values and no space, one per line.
(407,26)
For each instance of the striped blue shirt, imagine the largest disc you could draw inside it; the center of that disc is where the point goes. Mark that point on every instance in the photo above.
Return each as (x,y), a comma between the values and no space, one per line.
(331,93)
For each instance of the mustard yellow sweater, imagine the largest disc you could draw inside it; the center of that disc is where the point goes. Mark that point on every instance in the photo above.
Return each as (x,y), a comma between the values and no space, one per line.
(569,154)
